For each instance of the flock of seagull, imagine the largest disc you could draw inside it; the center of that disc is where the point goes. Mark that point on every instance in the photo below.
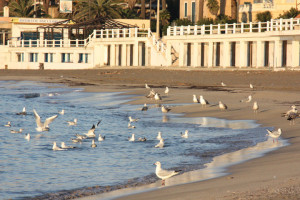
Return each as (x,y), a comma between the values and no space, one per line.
(291,115)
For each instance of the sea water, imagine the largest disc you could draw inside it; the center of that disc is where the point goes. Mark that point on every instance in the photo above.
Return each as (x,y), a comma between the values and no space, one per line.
(32,169)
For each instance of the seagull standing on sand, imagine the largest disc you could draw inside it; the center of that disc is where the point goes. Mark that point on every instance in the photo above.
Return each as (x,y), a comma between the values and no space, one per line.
(161,144)
(251,86)
(146,86)
(158,135)
(165,109)
(164,174)
(56,148)
(72,123)
(144,108)
(132,138)
(255,107)
(43,126)
(185,135)
(167,91)
(223,84)
(93,144)
(291,114)
(132,119)
(195,100)
(222,106)
(203,101)
(23,112)
(157,97)
(249,99)
(274,134)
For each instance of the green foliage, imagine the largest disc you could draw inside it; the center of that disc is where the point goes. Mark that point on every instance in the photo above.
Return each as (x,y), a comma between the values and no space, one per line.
(293,12)
(182,22)
(129,14)
(205,21)
(164,17)
(264,16)
(223,19)
(213,6)
(24,8)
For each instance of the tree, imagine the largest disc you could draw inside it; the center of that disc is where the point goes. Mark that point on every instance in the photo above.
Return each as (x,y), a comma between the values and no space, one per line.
(164,17)
(213,6)
(143,9)
(293,12)
(205,21)
(24,8)
(95,8)
(223,19)
(182,22)
(264,16)
(128,14)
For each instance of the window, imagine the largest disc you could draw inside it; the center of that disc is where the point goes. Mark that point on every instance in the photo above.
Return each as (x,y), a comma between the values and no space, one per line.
(48,57)
(185,9)
(20,57)
(66,57)
(193,11)
(83,58)
(33,57)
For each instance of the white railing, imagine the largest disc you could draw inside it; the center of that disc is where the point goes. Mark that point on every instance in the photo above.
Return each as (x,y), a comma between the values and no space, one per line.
(158,44)
(120,33)
(47,43)
(252,27)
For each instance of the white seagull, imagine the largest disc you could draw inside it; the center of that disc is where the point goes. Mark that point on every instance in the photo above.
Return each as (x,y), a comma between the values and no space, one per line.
(62,112)
(223,84)
(251,86)
(8,124)
(249,99)
(255,107)
(93,144)
(157,97)
(164,174)
(161,144)
(43,126)
(185,135)
(158,135)
(72,123)
(142,139)
(195,100)
(91,132)
(167,91)
(132,138)
(19,131)
(146,86)
(203,101)
(132,119)
(130,126)
(274,134)
(222,106)
(101,138)
(27,136)
(165,109)
(56,148)
(64,146)
(23,112)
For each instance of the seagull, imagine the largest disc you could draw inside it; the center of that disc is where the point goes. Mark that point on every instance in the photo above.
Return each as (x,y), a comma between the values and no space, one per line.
(81,137)
(161,144)
(222,106)
(43,126)
(167,91)
(274,134)
(76,140)
(93,144)
(247,100)
(56,148)
(130,126)
(251,86)
(185,135)
(132,138)
(159,135)
(223,84)
(100,138)
(293,110)
(145,107)
(146,86)
(62,112)
(142,139)
(132,119)
(23,112)
(27,136)
(91,132)
(164,174)
(8,124)
(255,107)
(195,100)
(292,117)
(157,97)
(19,131)
(165,109)
(72,123)
(203,101)
(151,94)
(64,146)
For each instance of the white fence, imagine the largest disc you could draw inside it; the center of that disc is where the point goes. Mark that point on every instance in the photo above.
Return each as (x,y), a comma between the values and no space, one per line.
(252,27)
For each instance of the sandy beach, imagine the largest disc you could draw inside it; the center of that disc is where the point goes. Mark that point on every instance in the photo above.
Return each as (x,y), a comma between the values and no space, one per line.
(273,176)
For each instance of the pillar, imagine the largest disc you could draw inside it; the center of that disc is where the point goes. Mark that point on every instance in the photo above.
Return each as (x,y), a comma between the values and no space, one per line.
(169,54)
(112,55)
(195,55)
(210,54)
(226,54)
(136,54)
(295,53)
(182,53)
(260,54)
(278,53)
(123,62)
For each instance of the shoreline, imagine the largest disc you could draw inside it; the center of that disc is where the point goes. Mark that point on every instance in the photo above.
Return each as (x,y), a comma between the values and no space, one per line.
(244,174)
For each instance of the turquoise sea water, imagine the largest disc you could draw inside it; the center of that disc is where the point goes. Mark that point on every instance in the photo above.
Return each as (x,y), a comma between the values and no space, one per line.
(31,168)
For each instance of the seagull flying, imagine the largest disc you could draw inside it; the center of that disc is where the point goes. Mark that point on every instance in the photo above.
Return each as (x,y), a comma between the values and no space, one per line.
(43,126)
(164,174)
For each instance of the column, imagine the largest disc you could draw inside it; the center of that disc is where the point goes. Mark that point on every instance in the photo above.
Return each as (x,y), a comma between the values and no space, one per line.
(98,57)
(140,54)
(195,55)
(41,37)
(169,54)
(295,53)
(136,54)
(226,54)
(181,54)
(123,56)
(118,54)
(112,55)
(243,54)
(278,53)
(260,54)
(210,54)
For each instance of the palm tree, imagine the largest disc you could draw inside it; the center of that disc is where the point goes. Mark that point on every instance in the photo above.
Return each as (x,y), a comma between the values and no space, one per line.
(164,16)
(96,8)
(213,6)
(21,8)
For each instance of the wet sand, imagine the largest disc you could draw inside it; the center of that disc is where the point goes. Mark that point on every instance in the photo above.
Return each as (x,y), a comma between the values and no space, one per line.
(273,176)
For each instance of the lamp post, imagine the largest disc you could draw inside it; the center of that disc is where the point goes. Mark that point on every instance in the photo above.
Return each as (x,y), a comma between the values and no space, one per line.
(157,20)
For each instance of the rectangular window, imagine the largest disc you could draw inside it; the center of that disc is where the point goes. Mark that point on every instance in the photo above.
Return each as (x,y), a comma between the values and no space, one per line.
(185,9)
(83,58)
(20,57)
(193,11)
(66,57)
(33,57)
(48,57)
